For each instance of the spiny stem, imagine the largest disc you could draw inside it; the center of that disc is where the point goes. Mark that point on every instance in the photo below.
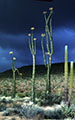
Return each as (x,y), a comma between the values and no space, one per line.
(33,80)
(66,65)
(14,69)
(71,83)
(32,46)
(71,75)
(49,51)
(14,84)
(43,51)
(66,73)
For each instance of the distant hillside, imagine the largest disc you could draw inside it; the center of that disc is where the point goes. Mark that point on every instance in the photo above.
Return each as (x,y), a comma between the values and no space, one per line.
(40,69)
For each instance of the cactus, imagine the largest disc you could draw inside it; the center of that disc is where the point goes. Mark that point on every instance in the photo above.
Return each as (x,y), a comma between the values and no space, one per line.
(66,73)
(32,46)
(49,48)
(14,69)
(71,75)
(71,82)
(66,65)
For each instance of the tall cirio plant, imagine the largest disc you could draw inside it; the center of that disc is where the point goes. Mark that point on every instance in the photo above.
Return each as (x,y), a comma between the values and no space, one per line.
(71,83)
(66,73)
(32,46)
(49,45)
(14,69)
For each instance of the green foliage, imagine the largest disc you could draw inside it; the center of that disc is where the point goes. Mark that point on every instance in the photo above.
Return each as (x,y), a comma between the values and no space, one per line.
(21,95)
(69,111)
(73,97)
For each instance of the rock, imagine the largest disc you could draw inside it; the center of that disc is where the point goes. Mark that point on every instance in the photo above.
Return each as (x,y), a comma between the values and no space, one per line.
(31,111)
(13,111)
(53,112)
(12,119)
(5,113)
(23,107)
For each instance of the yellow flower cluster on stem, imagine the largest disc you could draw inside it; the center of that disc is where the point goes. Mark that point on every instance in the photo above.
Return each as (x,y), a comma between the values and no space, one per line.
(32,46)
(11,52)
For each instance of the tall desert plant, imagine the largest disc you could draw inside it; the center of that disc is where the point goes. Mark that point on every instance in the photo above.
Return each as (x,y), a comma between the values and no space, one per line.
(66,73)
(32,46)
(71,82)
(49,53)
(14,69)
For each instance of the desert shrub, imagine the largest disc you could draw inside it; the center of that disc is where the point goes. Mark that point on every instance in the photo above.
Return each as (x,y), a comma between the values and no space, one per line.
(69,111)
(50,100)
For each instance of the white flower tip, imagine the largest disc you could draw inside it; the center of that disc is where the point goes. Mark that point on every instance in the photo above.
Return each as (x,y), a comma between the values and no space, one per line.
(51,9)
(32,28)
(44,12)
(14,58)
(34,39)
(20,74)
(66,47)
(42,35)
(29,34)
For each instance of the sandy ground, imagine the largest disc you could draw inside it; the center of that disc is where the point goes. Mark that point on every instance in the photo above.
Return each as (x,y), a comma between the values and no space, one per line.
(8,117)
(17,117)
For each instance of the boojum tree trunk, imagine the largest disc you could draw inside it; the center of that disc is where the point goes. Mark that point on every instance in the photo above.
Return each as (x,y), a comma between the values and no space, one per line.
(32,46)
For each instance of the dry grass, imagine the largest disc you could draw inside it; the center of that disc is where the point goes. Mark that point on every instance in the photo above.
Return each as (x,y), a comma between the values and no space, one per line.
(23,86)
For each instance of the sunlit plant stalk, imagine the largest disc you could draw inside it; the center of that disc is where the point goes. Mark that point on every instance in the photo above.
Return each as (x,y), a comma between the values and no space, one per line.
(66,73)
(32,46)
(49,48)
(71,83)
(71,75)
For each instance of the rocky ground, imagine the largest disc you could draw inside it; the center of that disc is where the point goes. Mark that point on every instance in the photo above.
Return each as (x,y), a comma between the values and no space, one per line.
(24,109)
(21,108)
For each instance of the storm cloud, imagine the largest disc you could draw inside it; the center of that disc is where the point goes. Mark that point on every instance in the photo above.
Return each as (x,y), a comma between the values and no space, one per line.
(16,18)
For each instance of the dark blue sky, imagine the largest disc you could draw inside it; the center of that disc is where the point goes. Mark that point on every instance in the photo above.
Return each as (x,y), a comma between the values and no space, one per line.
(16,18)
